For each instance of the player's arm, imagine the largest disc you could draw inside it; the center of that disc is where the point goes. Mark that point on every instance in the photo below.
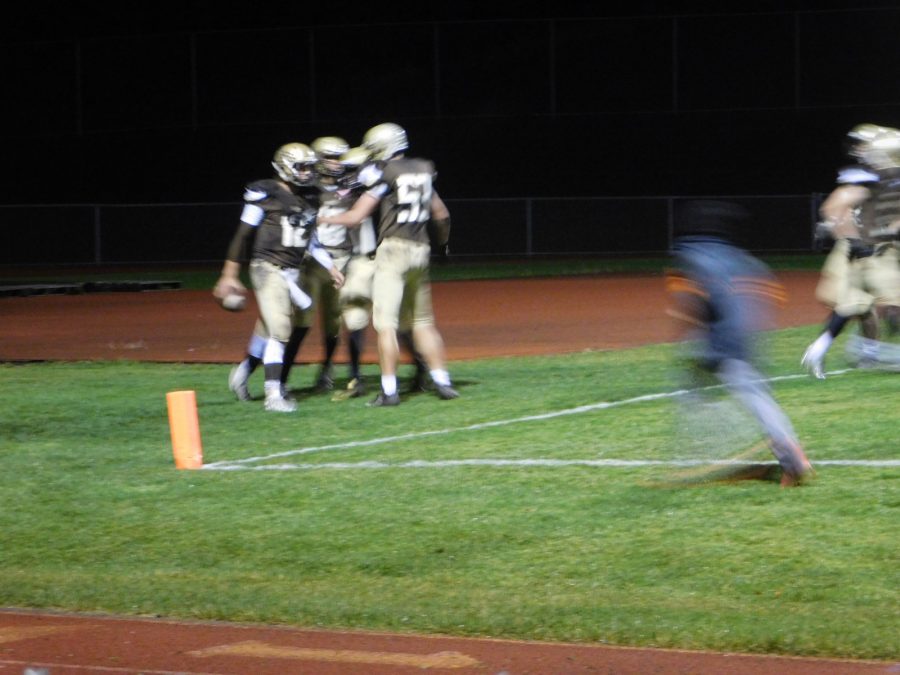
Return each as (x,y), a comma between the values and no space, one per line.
(837,210)
(362,208)
(439,225)
(239,248)
(323,257)
(230,278)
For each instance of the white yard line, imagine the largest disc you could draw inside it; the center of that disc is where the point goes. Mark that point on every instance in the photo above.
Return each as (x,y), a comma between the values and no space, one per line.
(538,462)
(236,464)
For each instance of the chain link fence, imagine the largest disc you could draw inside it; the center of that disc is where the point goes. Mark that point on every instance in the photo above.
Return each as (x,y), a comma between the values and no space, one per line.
(520,227)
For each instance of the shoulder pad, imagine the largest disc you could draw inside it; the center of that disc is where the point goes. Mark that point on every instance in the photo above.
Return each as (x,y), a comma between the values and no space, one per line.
(259,190)
(369,175)
(856,175)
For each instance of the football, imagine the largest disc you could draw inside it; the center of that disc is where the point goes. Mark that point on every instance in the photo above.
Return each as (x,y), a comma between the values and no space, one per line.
(234,302)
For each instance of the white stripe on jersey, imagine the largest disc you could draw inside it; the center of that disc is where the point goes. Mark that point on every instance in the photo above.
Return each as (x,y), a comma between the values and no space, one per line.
(322,256)
(254,195)
(252,214)
(367,239)
(853,175)
(369,175)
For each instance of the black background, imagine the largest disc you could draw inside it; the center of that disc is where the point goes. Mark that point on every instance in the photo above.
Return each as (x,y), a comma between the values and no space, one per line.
(186,102)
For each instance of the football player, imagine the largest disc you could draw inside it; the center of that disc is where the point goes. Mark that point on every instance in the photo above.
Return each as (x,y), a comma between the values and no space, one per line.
(356,293)
(409,209)
(861,272)
(335,240)
(722,295)
(276,230)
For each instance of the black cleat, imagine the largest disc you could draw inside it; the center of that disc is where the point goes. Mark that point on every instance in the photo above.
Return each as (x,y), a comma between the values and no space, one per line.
(383,400)
(325,382)
(356,388)
(445,392)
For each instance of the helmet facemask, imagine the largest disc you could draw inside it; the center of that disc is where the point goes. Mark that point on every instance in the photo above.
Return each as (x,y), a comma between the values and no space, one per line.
(329,150)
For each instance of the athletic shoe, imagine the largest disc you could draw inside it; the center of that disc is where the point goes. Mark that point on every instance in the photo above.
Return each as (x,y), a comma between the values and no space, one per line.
(791,479)
(805,472)
(277,403)
(325,382)
(355,388)
(815,366)
(383,400)
(286,393)
(237,382)
(445,392)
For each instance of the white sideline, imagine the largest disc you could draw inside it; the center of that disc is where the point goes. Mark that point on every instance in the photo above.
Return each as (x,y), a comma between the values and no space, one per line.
(544,463)
(231,465)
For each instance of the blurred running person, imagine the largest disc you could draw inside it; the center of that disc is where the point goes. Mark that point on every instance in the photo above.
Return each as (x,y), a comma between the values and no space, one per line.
(722,294)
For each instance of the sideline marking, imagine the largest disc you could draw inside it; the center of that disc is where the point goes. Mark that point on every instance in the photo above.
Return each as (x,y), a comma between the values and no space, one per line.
(546,463)
(17,633)
(238,464)
(266,651)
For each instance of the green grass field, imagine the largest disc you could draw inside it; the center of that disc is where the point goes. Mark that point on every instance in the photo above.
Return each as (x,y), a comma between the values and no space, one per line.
(525,509)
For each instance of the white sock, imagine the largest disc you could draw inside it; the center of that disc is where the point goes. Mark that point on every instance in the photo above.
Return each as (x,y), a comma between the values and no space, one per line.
(819,348)
(274,352)
(389,384)
(441,377)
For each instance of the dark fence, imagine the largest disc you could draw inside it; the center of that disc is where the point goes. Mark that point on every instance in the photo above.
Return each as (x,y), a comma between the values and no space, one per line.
(144,233)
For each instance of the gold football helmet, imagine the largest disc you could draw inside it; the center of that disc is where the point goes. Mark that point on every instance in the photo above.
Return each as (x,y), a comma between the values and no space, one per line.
(385,140)
(874,145)
(295,163)
(352,161)
(329,150)
(884,150)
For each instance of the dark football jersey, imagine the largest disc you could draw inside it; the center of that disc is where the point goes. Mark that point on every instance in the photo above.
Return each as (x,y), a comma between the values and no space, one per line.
(308,193)
(281,221)
(405,191)
(882,208)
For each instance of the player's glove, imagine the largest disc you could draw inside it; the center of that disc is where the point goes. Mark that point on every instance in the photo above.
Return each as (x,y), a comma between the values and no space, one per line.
(824,231)
(860,250)
(304,218)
